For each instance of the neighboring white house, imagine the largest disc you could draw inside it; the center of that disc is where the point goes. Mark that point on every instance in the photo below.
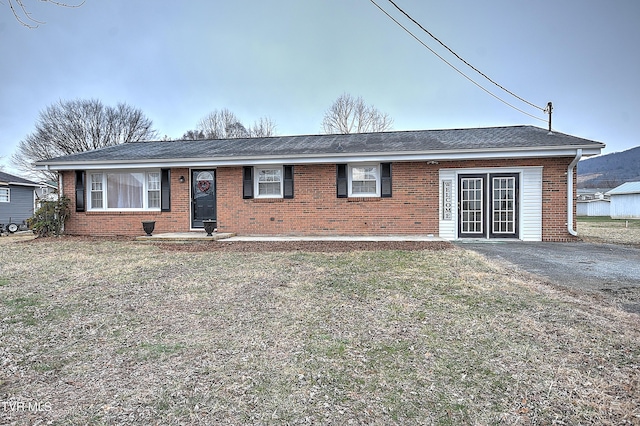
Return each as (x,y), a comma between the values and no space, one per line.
(625,201)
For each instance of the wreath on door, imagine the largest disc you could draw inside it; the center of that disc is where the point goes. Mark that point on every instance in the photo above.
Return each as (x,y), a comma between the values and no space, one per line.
(203,185)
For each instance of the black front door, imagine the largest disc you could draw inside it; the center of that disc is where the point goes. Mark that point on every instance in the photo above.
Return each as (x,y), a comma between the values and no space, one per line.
(203,196)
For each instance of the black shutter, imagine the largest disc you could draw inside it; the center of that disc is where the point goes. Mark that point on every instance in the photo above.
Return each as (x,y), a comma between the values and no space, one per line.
(80,176)
(165,190)
(288,181)
(342,181)
(385,182)
(247,182)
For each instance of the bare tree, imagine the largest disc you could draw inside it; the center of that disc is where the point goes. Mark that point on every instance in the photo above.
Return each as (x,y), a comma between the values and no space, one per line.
(68,127)
(351,115)
(263,128)
(23,15)
(193,135)
(223,124)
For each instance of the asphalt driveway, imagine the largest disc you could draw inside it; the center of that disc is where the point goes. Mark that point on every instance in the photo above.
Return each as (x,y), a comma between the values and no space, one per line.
(611,270)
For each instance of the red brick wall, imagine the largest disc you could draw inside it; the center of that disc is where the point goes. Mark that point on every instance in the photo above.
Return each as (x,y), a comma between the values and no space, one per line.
(130,223)
(315,209)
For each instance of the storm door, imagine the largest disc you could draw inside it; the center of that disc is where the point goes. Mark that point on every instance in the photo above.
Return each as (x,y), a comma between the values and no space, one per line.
(203,197)
(488,205)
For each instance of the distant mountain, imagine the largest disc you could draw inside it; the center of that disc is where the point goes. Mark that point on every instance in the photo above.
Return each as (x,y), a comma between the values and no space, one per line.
(610,170)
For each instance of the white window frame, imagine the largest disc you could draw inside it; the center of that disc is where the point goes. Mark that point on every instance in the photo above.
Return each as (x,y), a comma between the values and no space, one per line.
(351,180)
(105,196)
(256,183)
(8,196)
(92,190)
(155,189)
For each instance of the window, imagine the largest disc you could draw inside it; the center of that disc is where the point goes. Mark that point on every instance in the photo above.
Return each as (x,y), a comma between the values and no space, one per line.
(125,190)
(153,190)
(269,183)
(5,195)
(96,191)
(364,180)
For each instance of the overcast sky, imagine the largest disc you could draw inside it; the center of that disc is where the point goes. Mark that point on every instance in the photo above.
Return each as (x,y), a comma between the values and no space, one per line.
(290,59)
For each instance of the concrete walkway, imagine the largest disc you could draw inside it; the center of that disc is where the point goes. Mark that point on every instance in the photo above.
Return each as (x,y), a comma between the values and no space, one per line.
(184,237)
(201,236)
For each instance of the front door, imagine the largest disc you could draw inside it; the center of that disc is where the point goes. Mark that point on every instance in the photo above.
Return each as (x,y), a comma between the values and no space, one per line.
(488,205)
(203,196)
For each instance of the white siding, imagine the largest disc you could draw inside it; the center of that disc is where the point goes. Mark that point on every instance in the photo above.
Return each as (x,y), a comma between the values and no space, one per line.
(582,208)
(530,216)
(531,204)
(625,206)
(20,207)
(449,228)
(593,208)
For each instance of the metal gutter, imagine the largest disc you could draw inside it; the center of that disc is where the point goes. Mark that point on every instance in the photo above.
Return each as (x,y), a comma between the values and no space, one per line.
(493,153)
(570,192)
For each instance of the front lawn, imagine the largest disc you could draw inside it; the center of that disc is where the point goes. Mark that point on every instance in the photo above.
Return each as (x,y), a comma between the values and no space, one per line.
(117,332)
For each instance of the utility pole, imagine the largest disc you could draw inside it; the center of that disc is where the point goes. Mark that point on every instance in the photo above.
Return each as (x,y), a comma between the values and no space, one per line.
(548,110)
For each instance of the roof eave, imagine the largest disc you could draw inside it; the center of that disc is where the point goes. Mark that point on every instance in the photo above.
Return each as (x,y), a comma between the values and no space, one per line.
(34,185)
(434,155)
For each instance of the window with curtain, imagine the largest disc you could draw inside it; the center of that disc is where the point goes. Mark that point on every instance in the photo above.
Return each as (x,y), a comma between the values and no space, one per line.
(125,190)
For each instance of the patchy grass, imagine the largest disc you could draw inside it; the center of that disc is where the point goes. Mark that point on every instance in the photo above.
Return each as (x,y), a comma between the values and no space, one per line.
(603,229)
(125,333)
(608,220)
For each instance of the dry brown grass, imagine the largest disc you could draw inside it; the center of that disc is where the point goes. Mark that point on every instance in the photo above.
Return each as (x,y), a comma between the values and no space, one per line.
(114,332)
(605,230)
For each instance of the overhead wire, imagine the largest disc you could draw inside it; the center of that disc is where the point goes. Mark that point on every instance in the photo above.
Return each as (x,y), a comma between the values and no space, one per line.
(462,59)
(454,67)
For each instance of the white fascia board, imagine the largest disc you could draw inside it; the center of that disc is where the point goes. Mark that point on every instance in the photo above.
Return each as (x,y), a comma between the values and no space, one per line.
(34,185)
(325,158)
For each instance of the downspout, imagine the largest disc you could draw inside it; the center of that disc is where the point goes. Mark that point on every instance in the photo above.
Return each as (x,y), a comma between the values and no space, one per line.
(570,192)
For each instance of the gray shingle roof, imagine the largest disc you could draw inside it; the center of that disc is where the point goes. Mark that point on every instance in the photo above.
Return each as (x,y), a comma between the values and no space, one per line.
(9,178)
(418,141)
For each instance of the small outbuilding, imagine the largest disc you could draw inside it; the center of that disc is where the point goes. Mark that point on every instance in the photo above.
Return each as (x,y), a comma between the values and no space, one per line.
(625,201)
(596,207)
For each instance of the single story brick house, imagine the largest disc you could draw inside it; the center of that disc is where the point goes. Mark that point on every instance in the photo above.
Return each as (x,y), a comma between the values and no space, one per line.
(500,182)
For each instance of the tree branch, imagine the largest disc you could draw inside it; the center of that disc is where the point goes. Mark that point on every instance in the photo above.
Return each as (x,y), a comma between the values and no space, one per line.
(20,12)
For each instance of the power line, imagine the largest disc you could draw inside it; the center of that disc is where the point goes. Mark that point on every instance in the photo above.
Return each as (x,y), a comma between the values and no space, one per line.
(459,57)
(454,67)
